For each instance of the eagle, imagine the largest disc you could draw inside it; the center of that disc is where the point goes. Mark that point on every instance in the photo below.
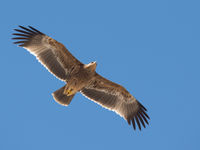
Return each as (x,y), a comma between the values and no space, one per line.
(80,77)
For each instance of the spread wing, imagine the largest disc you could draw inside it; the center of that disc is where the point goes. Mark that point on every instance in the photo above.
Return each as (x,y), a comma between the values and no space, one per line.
(52,54)
(115,97)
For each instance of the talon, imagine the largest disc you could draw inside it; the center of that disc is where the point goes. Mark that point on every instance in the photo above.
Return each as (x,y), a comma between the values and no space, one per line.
(68,92)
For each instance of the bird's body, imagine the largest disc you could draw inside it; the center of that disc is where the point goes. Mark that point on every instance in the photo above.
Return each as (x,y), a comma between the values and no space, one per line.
(80,77)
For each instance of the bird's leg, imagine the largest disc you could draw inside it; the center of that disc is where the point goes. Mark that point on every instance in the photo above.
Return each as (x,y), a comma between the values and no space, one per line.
(68,91)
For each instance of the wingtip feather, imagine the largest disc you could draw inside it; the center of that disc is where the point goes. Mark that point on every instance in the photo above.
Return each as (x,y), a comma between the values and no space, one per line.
(35,30)
(133,123)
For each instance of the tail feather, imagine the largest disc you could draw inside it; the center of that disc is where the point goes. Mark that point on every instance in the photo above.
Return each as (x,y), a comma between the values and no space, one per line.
(61,98)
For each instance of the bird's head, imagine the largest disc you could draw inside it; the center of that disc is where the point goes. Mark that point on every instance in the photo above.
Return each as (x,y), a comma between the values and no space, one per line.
(93,63)
(91,66)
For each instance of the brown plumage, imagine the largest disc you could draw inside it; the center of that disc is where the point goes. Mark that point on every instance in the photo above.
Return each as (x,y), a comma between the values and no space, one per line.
(80,77)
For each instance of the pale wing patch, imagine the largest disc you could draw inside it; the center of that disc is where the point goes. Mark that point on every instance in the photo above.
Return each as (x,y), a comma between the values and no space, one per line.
(50,62)
(111,101)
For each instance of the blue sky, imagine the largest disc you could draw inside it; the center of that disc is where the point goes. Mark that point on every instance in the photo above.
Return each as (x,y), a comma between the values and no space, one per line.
(150,47)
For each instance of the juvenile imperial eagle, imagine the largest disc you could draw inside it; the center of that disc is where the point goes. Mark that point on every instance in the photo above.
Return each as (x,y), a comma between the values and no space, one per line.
(80,77)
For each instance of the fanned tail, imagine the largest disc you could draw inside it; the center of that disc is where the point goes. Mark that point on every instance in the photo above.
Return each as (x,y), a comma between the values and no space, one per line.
(61,98)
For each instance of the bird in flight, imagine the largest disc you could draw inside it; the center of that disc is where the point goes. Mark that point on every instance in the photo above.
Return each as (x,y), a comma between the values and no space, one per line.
(80,77)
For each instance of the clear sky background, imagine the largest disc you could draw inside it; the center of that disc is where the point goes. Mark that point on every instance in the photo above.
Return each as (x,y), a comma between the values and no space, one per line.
(150,47)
